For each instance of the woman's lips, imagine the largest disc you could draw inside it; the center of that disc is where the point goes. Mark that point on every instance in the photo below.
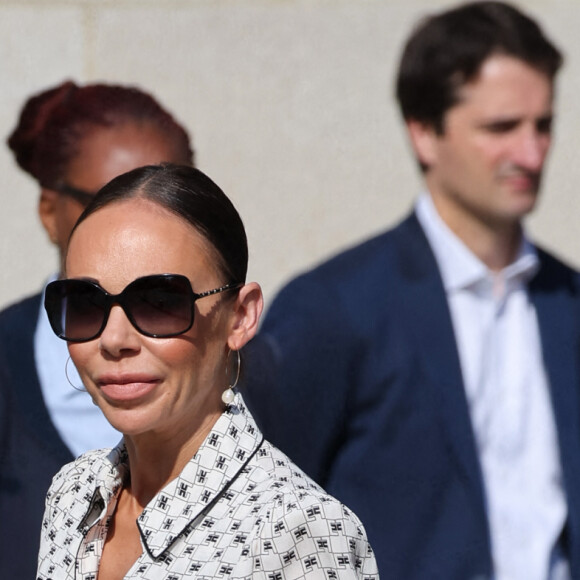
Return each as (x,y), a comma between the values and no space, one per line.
(126,387)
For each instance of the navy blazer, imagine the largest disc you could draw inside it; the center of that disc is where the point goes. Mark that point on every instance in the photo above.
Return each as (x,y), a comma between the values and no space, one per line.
(31,450)
(356,376)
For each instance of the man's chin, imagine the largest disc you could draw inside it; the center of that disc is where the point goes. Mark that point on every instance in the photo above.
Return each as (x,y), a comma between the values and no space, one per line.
(524,206)
(521,200)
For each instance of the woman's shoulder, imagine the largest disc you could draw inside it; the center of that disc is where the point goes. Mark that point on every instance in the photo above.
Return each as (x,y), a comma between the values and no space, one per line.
(280,472)
(272,480)
(299,519)
(291,489)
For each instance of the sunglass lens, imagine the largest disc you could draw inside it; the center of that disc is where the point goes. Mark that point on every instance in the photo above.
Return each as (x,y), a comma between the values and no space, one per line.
(161,306)
(76,309)
(83,310)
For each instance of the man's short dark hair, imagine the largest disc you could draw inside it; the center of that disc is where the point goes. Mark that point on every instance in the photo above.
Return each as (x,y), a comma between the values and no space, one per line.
(446,51)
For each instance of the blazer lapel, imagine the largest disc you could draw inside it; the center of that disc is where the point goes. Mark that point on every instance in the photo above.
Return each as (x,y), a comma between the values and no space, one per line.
(429,320)
(555,297)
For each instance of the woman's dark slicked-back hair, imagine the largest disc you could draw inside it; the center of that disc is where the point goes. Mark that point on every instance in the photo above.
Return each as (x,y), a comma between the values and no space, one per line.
(53,124)
(447,50)
(192,196)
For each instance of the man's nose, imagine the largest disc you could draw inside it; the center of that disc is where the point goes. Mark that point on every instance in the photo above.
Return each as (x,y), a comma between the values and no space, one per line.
(531,150)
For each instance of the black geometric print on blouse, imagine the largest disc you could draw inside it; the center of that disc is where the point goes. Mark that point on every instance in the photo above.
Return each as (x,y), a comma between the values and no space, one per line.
(239,510)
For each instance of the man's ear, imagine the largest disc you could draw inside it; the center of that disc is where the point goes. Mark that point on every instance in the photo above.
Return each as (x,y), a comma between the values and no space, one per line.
(247,311)
(47,211)
(424,140)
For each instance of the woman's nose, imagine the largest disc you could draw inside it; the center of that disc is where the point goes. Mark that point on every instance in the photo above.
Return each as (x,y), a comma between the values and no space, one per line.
(119,335)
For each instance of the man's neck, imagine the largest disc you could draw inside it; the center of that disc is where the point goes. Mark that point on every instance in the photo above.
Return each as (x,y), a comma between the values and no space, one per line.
(495,243)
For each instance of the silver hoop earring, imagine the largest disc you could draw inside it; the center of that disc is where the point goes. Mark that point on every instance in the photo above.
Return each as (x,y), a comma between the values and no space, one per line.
(82,390)
(228,395)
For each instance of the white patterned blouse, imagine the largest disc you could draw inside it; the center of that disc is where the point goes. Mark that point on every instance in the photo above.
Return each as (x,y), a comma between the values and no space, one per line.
(240,509)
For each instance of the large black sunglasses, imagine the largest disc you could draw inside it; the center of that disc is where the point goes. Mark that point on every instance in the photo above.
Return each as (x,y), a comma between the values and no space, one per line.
(159,306)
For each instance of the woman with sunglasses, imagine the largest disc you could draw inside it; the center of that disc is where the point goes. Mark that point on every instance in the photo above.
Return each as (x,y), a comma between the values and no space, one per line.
(71,140)
(155,309)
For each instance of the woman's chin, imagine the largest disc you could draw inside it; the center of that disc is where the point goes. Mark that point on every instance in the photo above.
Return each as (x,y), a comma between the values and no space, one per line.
(129,421)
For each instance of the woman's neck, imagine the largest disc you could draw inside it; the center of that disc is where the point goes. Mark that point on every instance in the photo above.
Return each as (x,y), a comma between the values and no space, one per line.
(155,458)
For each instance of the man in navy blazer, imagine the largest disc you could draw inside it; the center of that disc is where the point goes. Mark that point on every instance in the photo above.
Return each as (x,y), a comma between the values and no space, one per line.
(430,377)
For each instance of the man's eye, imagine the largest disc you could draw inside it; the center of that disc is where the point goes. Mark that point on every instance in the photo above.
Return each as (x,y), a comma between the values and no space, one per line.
(501,126)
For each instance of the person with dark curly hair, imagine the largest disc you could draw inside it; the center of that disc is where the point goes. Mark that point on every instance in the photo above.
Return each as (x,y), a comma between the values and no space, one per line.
(71,140)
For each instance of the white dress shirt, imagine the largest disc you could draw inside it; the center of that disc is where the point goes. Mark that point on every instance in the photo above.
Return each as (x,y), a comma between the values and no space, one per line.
(78,421)
(507,390)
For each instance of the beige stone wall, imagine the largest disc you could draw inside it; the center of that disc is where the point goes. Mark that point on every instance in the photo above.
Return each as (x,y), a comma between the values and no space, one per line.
(291,109)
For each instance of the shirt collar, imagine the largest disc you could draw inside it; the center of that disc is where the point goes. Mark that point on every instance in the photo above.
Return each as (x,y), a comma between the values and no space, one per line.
(226,450)
(207,476)
(108,476)
(459,267)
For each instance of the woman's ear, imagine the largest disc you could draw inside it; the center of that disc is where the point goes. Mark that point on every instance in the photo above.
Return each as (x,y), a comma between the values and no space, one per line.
(47,211)
(247,310)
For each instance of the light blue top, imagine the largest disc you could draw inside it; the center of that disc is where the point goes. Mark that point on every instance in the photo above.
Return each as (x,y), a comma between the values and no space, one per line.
(77,419)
